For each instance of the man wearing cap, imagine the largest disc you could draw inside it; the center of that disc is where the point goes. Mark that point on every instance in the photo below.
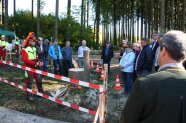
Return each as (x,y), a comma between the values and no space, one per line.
(3,44)
(30,59)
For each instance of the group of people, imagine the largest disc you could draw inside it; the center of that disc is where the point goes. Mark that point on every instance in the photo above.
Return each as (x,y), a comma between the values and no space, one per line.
(138,60)
(35,54)
(158,97)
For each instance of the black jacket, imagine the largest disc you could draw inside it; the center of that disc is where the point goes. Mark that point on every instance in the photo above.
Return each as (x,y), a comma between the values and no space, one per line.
(154,49)
(157,98)
(144,61)
(110,53)
(42,54)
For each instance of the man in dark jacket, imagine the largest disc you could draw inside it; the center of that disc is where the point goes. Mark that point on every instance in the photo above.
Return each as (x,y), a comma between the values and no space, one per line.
(144,60)
(67,58)
(155,44)
(107,54)
(160,97)
(42,51)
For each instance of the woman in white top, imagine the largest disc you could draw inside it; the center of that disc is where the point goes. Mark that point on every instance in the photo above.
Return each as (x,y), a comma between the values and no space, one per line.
(127,68)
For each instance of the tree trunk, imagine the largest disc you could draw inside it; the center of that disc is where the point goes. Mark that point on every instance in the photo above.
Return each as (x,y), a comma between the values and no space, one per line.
(82,19)
(162,17)
(94,30)
(32,15)
(76,73)
(97,21)
(56,20)
(38,18)
(84,15)
(6,14)
(115,35)
(86,66)
(172,15)
(152,15)
(184,16)
(87,13)
(119,33)
(69,20)
(15,16)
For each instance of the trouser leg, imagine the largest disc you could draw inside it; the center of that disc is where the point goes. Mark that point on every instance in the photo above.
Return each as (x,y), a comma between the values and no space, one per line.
(29,82)
(38,82)
(129,78)
(80,62)
(55,66)
(60,66)
(65,67)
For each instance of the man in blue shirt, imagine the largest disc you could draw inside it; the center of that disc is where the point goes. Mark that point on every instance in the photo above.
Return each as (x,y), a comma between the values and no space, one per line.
(55,53)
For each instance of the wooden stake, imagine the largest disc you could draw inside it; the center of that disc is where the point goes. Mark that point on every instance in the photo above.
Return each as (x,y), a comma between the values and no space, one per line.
(103,101)
(86,65)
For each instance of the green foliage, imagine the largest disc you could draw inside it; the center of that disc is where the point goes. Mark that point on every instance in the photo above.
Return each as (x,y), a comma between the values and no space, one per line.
(24,26)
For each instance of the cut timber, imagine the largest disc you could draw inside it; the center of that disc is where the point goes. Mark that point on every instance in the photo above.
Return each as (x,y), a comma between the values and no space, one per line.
(74,62)
(86,65)
(76,73)
(60,92)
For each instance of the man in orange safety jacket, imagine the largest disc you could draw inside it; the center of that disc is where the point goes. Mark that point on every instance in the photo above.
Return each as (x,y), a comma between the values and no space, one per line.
(30,59)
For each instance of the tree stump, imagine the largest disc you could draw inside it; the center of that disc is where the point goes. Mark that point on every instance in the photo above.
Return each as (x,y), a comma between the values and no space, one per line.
(86,65)
(76,73)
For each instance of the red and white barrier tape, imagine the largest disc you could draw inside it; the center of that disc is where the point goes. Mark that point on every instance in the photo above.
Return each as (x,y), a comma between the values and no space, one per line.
(66,79)
(57,100)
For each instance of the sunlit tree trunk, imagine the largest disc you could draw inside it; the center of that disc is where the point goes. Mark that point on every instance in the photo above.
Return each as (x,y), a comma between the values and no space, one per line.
(6,14)
(15,16)
(32,15)
(38,18)
(69,20)
(82,21)
(87,13)
(56,20)
(97,20)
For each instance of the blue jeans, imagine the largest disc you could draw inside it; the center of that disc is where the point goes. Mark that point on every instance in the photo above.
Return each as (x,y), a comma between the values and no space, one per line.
(57,66)
(127,78)
(80,62)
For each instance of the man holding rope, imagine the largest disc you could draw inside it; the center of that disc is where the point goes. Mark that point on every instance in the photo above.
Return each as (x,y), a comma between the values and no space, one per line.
(30,59)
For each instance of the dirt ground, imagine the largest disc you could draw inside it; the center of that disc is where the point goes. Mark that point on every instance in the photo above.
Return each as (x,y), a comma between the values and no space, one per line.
(13,98)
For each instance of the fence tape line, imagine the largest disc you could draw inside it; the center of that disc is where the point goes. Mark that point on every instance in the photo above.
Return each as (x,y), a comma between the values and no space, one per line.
(66,79)
(57,100)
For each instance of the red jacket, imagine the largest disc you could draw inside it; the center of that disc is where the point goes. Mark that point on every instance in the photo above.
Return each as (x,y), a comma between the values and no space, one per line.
(27,62)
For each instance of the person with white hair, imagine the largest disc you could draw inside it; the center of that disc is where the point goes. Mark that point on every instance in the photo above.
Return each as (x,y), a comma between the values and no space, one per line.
(80,54)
